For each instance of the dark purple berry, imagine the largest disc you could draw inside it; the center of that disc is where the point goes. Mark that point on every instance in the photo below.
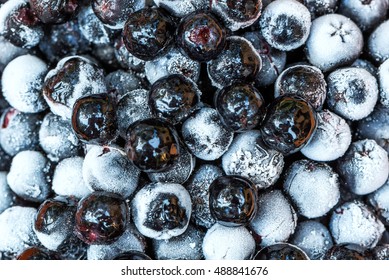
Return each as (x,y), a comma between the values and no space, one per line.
(348,251)
(54,11)
(101,218)
(232,200)
(289,124)
(148,33)
(281,251)
(36,253)
(152,145)
(94,119)
(240,106)
(201,36)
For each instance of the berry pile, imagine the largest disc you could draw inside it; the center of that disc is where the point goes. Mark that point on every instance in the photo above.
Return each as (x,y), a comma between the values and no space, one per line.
(194,129)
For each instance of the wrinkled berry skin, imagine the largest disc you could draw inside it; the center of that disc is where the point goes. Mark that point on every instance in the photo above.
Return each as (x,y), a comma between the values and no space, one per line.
(36,253)
(94,119)
(54,11)
(289,124)
(232,200)
(240,106)
(132,255)
(148,33)
(152,145)
(101,218)
(201,36)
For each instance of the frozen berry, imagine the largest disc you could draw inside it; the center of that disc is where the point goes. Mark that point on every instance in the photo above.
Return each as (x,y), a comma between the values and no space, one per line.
(37,253)
(383,80)
(152,145)
(380,201)
(101,218)
(54,12)
(132,255)
(377,44)
(321,7)
(8,197)
(348,251)
(281,251)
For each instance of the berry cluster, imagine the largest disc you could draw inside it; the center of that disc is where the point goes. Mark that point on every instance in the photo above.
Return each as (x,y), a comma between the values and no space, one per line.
(194,129)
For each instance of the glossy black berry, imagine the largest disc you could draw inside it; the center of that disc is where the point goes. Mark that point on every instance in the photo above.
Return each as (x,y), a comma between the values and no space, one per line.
(94,119)
(54,11)
(152,145)
(232,200)
(36,253)
(132,255)
(281,251)
(101,218)
(348,251)
(201,36)
(174,97)
(289,124)
(240,106)
(148,33)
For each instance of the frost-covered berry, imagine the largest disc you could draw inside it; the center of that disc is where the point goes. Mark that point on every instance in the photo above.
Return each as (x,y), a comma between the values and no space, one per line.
(276,219)
(375,126)
(161,210)
(125,59)
(334,41)
(121,82)
(313,187)
(16,230)
(238,61)
(173,62)
(7,197)
(273,60)
(285,24)
(321,7)
(30,176)
(348,251)
(187,246)
(9,52)
(57,138)
(377,44)
(331,138)
(180,8)
(228,243)
(367,65)
(68,180)
(19,24)
(132,107)
(19,131)
(249,157)
(383,80)
(381,252)
(198,187)
(131,239)
(379,199)
(72,78)
(205,135)
(364,168)
(352,92)
(54,12)
(305,81)
(281,251)
(22,82)
(107,169)
(366,232)
(313,238)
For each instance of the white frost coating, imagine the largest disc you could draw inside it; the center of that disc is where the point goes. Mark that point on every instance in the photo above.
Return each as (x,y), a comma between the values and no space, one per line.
(383,79)
(365,167)
(16,231)
(6,195)
(313,187)
(28,176)
(9,52)
(178,8)
(285,12)
(275,220)
(140,207)
(354,223)
(89,23)
(352,92)
(249,157)
(107,169)
(380,201)
(174,62)
(131,239)
(331,138)
(22,82)
(334,40)
(68,180)
(228,243)
(8,8)
(313,238)
(378,43)
(205,135)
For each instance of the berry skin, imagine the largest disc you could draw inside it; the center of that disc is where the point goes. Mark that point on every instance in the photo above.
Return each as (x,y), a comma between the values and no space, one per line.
(201,36)
(232,200)
(101,218)
(289,124)
(281,251)
(148,33)
(152,145)
(54,11)
(94,119)
(36,253)
(132,255)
